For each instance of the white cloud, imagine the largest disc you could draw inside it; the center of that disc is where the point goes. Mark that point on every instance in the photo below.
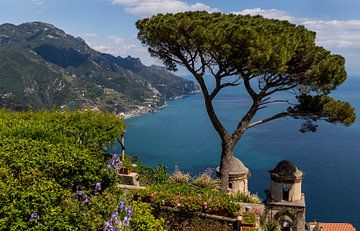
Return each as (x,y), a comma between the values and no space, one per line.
(271,13)
(151,7)
(124,1)
(118,40)
(90,35)
(122,50)
(118,46)
(38,2)
(335,33)
(341,37)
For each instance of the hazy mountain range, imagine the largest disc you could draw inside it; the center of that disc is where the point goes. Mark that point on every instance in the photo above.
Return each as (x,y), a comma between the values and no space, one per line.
(43,67)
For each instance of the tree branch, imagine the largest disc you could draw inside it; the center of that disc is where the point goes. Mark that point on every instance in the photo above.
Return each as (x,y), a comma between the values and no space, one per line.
(268,101)
(208,102)
(276,116)
(279,89)
(249,89)
(221,86)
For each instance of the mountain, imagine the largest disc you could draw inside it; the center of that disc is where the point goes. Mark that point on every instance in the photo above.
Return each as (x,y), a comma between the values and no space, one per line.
(43,67)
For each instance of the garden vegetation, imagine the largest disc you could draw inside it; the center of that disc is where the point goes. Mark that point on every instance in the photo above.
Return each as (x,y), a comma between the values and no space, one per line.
(53,173)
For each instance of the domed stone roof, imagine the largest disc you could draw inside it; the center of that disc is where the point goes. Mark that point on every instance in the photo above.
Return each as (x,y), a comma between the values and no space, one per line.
(286,171)
(237,167)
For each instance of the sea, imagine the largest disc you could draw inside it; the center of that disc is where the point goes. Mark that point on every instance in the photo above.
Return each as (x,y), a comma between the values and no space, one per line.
(181,135)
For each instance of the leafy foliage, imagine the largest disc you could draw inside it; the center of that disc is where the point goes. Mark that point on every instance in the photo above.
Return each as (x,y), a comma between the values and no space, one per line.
(241,197)
(188,198)
(273,226)
(205,180)
(316,107)
(248,218)
(180,177)
(45,158)
(144,218)
(149,175)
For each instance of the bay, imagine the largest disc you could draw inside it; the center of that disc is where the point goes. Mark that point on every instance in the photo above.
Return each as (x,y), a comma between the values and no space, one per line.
(181,134)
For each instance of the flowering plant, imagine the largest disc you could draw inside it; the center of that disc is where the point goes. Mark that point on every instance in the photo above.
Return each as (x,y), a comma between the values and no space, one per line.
(116,163)
(120,218)
(127,162)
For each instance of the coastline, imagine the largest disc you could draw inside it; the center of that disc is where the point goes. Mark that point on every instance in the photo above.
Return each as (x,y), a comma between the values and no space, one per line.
(141,110)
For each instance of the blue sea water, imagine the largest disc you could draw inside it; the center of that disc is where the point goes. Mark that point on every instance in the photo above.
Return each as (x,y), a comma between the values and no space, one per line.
(330,158)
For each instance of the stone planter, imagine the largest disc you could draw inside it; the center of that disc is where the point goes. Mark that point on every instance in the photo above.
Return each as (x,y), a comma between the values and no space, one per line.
(125,171)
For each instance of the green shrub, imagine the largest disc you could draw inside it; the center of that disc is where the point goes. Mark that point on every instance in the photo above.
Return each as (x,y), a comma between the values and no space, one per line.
(149,176)
(46,160)
(180,177)
(143,219)
(188,198)
(205,180)
(248,218)
(273,226)
(252,198)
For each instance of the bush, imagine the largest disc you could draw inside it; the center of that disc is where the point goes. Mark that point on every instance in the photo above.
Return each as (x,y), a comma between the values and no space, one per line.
(180,177)
(248,218)
(143,219)
(50,163)
(205,180)
(149,176)
(185,222)
(188,198)
(273,226)
(252,198)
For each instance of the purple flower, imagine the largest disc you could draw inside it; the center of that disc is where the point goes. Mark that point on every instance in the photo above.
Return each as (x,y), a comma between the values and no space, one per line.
(115,163)
(126,221)
(108,223)
(98,186)
(86,201)
(122,205)
(128,210)
(116,221)
(115,215)
(34,215)
(108,226)
(80,193)
(120,218)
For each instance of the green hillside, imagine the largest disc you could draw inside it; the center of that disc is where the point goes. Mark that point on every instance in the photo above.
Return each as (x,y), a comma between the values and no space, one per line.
(43,67)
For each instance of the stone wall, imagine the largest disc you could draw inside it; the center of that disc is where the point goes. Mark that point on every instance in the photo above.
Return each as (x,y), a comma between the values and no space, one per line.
(281,213)
(277,191)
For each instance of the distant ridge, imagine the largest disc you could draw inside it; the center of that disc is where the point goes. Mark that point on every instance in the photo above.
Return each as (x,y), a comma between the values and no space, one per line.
(43,67)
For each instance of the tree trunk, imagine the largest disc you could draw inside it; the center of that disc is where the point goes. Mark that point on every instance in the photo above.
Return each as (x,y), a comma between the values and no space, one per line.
(226,155)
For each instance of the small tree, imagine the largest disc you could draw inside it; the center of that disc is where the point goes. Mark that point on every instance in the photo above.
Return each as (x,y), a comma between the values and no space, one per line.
(266,56)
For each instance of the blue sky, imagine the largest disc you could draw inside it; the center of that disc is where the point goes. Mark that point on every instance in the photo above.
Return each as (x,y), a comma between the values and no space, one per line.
(108,25)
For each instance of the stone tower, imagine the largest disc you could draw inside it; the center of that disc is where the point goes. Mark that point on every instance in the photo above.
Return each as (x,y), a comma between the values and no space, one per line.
(238,176)
(285,202)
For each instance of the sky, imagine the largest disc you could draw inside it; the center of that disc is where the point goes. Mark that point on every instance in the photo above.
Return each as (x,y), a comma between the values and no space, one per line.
(109,25)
